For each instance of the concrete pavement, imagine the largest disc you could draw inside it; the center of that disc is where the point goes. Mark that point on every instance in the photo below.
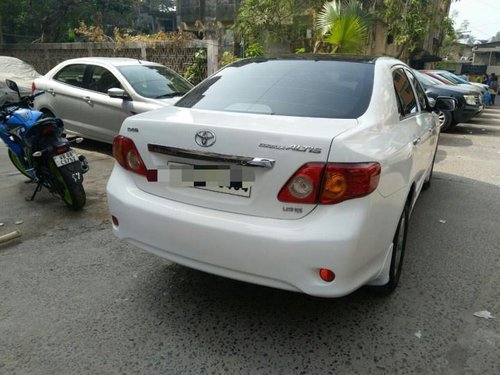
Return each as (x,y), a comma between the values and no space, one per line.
(75,300)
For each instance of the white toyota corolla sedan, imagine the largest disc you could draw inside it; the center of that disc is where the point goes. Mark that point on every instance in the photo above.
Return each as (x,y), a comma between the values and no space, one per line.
(297,173)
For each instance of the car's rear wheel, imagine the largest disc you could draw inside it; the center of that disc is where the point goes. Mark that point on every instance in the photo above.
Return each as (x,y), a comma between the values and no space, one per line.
(445,119)
(398,252)
(427,182)
(47,114)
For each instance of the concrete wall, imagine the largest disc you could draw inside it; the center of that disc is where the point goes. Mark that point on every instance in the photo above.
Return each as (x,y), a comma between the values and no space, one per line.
(176,55)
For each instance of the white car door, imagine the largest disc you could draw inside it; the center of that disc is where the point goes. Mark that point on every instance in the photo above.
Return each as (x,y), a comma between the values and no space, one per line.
(428,126)
(412,122)
(428,123)
(63,95)
(103,115)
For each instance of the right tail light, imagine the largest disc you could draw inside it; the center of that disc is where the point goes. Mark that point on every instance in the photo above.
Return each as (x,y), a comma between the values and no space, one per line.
(330,183)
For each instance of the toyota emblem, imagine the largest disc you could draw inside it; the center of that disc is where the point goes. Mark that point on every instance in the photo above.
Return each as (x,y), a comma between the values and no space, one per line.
(205,138)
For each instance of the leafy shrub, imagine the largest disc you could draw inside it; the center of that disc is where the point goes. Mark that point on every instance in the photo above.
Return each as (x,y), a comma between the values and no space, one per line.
(195,73)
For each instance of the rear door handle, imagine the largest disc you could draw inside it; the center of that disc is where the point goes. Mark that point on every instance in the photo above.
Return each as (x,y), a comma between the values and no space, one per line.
(51,92)
(87,99)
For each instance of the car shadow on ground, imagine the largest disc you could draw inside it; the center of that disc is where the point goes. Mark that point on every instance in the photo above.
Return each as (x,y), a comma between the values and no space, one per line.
(445,140)
(96,146)
(480,128)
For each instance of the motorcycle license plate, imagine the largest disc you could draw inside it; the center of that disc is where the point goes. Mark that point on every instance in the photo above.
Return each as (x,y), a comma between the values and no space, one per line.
(66,158)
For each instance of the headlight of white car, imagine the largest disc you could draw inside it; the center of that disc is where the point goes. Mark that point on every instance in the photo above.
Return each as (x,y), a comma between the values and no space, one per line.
(470,99)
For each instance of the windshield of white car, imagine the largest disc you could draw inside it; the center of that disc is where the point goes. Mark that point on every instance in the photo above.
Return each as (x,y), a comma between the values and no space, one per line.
(154,81)
(297,87)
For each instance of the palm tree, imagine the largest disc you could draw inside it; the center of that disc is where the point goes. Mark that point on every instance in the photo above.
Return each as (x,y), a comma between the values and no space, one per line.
(344,25)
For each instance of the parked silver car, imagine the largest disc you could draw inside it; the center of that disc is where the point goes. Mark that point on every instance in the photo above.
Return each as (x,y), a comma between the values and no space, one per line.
(93,95)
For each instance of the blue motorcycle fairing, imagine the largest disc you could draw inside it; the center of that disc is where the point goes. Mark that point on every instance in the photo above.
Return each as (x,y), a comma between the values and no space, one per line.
(24,117)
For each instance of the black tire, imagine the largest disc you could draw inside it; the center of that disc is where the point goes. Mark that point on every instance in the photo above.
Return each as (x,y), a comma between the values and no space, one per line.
(445,120)
(14,159)
(398,252)
(69,189)
(47,114)
(427,182)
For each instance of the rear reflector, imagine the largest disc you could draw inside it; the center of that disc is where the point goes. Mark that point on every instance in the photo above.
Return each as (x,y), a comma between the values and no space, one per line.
(61,149)
(330,183)
(48,129)
(326,275)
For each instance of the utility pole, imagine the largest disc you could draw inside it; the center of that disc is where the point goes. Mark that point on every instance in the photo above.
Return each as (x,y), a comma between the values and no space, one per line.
(1,30)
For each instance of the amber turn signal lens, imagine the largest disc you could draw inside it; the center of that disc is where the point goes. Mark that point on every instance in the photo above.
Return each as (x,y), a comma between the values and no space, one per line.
(335,186)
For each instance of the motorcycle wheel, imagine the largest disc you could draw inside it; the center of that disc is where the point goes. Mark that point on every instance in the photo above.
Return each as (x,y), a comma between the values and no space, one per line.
(71,191)
(14,159)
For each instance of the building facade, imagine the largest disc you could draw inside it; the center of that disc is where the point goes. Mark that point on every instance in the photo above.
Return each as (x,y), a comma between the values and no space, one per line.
(221,15)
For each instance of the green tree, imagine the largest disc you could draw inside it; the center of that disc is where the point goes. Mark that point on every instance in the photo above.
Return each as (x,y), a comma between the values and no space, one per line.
(344,25)
(262,21)
(407,21)
(49,20)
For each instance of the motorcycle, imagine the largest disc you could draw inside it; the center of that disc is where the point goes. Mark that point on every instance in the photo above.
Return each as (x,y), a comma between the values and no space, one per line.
(38,149)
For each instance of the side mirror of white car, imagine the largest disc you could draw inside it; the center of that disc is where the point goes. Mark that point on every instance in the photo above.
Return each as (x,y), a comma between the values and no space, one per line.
(118,93)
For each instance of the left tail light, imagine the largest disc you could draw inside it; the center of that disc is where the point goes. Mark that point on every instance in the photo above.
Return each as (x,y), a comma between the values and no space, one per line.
(126,154)
(330,183)
(33,87)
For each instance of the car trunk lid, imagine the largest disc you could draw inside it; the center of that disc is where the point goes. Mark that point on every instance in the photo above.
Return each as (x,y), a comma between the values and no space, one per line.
(227,161)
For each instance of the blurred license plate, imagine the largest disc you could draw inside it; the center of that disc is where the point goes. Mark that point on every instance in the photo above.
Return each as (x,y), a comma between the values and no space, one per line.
(66,158)
(228,179)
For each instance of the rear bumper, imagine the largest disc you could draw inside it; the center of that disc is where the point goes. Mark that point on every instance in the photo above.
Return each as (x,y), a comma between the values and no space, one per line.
(349,239)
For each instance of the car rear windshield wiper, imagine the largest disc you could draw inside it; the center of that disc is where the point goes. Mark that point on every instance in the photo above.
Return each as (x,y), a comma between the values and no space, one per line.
(170,95)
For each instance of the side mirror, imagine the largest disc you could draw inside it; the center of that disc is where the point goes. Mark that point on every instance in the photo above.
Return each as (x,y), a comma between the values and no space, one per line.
(13,86)
(444,103)
(118,93)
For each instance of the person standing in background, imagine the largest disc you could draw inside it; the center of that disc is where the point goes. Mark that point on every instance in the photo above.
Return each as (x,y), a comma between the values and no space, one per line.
(493,87)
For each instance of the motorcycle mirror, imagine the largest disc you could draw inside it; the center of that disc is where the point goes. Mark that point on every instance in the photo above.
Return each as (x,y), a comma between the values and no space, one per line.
(79,140)
(13,86)
(37,154)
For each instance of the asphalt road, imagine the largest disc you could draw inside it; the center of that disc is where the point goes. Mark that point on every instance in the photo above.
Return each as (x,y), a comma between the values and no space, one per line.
(75,300)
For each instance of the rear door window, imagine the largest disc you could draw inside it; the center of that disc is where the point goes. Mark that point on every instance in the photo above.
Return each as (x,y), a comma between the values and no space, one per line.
(404,93)
(421,96)
(72,75)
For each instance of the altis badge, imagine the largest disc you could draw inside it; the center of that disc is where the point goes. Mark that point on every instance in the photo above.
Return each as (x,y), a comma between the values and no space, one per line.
(298,148)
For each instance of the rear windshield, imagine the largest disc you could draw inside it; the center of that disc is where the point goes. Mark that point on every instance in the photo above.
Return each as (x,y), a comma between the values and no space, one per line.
(306,88)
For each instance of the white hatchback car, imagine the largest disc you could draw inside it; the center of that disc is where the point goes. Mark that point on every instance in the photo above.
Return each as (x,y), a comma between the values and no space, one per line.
(93,95)
(297,173)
